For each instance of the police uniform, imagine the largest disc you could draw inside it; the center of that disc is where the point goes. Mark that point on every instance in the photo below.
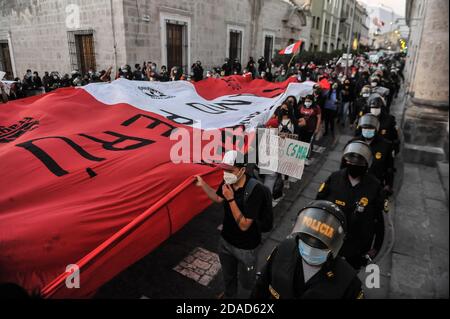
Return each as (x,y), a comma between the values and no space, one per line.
(383,161)
(363,206)
(306,265)
(283,278)
(388,128)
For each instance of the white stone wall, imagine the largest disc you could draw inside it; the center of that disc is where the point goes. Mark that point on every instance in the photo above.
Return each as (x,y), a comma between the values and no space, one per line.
(39,32)
(427,68)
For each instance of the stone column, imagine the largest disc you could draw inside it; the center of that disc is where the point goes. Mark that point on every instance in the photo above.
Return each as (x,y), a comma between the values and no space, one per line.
(425,124)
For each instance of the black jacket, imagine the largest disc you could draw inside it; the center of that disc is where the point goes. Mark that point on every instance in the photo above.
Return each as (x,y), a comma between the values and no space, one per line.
(363,206)
(283,277)
(383,160)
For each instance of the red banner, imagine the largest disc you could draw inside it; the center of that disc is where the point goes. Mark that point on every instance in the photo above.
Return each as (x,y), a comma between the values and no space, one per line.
(93,184)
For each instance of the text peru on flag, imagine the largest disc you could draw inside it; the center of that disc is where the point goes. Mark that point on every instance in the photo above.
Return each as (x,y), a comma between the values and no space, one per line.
(293,48)
(90,179)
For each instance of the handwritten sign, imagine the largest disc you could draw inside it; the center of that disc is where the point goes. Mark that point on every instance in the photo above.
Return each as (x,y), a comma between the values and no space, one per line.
(282,155)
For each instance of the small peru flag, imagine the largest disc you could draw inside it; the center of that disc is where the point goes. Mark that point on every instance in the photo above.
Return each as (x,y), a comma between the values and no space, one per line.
(293,48)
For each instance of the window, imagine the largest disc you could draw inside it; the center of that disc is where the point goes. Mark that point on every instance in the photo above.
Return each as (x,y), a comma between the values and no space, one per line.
(268,47)
(318,23)
(5,60)
(333,30)
(325,47)
(81,50)
(235,50)
(314,22)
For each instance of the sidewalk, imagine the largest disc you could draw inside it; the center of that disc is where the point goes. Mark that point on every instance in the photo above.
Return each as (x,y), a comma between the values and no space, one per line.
(420,255)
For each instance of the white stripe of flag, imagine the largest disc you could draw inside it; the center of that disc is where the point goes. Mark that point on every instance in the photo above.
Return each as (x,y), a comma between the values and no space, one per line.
(292,48)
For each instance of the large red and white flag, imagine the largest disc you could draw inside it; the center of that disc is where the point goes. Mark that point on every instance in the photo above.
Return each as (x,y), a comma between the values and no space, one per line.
(88,178)
(293,48)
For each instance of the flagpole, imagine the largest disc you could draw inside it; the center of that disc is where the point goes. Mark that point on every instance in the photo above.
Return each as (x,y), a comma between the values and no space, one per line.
(289,65)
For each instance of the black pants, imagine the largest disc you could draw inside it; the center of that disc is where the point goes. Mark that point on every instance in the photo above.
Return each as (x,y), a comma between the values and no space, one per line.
(237,264)
(329,119)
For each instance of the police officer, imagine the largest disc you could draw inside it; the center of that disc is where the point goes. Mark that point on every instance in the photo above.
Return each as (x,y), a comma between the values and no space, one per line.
(388,123)
(306,265)
(381,87)
(360,196)
(361,103)
(382,151)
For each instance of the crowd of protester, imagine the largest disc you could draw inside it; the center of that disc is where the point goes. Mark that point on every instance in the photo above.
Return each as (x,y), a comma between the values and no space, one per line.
(33,84)
(313,262)
(358,100)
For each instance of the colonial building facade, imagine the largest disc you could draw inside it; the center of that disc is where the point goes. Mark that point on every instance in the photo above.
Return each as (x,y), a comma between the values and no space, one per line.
(330,23)
(66,35)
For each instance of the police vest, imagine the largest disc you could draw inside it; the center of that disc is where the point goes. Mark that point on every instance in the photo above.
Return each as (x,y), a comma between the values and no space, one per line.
(285,285)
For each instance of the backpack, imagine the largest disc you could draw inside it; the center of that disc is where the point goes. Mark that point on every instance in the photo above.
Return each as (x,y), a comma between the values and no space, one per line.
(265,216)
(285,128)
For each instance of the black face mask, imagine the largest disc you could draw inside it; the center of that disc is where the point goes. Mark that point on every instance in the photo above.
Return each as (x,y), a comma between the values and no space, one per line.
(356,171)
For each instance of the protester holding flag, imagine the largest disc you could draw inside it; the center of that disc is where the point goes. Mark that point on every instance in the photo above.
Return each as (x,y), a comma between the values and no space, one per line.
(240,234)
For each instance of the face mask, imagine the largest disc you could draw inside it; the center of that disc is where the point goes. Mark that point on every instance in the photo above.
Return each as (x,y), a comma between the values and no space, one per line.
(368,133)
(375,111)
(285,122)
(284,112)
(283,73)
(366,95)
(308,104)
(312,256)
(229,178)
(373,84)
(356,171)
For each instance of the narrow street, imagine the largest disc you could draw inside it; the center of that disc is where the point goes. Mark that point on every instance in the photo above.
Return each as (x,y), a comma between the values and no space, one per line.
(413,261)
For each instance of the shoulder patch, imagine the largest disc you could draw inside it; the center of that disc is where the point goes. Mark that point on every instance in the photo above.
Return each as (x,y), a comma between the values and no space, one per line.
(378,155)
(274,293)
(322,187)
(364,201)
(360,295)
(340,203)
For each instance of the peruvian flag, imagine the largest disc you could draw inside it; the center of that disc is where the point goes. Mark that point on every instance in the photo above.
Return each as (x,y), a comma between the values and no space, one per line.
(92,176)
(293,48)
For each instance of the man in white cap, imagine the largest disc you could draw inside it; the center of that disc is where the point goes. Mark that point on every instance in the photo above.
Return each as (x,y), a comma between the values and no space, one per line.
(240,233)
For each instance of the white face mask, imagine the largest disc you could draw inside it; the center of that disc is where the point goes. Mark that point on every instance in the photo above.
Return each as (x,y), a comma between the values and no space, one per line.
(285,122)
(308,104)
(366,95)
(373,84)
(230,178)
(375,111)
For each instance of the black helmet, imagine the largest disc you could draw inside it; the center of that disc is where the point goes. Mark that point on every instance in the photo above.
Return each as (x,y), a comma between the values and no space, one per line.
(376,102)
(358,153)
(369,121)
(321,224)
